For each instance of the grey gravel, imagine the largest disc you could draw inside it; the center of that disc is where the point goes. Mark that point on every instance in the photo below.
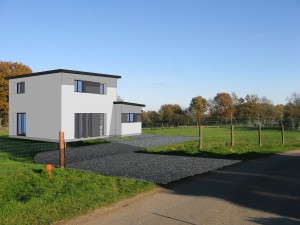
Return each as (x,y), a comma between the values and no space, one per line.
(119,158)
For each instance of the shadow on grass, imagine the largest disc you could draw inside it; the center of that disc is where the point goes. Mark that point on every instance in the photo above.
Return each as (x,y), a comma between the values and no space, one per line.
(208,154)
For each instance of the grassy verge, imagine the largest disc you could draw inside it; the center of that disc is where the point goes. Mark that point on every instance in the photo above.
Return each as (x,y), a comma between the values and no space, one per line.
(27,196)
(246,152)
(216,142)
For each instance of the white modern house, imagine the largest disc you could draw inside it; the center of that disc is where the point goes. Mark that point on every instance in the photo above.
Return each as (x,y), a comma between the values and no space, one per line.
(81,104)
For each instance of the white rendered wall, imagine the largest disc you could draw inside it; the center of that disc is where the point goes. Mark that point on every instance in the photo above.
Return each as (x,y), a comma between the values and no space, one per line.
(127,128)
(41,103)
(76,102)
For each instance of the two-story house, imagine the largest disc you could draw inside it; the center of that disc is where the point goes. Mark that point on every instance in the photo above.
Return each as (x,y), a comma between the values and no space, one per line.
(81,104)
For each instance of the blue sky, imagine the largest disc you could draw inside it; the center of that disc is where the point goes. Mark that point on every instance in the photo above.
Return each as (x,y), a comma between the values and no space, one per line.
(166,51)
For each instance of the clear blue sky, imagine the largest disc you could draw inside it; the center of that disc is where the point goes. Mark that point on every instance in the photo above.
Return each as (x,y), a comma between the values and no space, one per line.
(166,51)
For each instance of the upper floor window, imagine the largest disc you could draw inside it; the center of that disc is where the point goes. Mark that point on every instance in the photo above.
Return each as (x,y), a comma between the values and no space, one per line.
(89,87)
(21,87)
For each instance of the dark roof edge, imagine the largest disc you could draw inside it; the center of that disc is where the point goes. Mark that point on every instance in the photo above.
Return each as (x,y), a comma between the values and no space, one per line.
(130,103)
(63,71)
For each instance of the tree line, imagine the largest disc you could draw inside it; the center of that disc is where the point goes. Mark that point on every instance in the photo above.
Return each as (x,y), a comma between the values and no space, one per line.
(229,108)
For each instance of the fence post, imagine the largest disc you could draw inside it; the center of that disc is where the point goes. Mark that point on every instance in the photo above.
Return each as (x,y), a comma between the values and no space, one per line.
(282,133)
(62,149)
(259,135)
(232,135)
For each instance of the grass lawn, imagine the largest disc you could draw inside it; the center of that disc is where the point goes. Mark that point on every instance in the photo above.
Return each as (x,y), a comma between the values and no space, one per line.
(28,196)
(216,142)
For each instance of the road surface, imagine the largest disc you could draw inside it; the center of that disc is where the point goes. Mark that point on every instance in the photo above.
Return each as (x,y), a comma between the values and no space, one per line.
(259,191)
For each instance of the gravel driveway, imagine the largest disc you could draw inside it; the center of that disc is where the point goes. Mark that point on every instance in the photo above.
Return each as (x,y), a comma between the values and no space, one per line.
(119,159)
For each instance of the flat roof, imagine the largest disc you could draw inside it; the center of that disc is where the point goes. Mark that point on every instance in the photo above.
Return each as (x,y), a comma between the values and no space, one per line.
(129,103)
(63,71)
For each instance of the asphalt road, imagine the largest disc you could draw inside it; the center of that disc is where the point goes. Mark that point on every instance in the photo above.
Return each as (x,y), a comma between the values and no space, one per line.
(259,191)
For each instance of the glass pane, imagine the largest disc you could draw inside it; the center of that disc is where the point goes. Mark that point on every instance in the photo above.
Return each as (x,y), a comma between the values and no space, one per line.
(80,89)
(75,86)
(102,89)
(18,88)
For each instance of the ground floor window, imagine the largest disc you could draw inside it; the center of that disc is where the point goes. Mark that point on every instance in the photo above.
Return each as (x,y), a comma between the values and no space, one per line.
(89,125)
(21,124)
(131,117)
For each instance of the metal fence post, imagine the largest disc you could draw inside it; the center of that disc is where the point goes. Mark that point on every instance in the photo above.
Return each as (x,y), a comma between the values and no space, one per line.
(62,149)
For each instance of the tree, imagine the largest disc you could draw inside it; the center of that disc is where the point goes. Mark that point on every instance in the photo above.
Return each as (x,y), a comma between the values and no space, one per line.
(9,69)
(198,106)
(222,106)
(169,113)
(292,111)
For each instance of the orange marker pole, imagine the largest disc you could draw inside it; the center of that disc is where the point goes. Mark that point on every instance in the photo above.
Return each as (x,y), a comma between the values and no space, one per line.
(49,168)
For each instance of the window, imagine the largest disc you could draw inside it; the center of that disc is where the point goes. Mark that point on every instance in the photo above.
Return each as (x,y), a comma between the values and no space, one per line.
(21,124)
(89,87)
(78,86)
(21,88)
(131,117)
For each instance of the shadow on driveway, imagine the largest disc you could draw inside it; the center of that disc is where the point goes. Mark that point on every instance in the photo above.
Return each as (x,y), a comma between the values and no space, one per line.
(270,184)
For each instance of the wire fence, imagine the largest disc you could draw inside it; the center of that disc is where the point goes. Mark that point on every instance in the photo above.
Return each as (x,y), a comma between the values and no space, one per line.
(23,150)
(289,123)
(227,135)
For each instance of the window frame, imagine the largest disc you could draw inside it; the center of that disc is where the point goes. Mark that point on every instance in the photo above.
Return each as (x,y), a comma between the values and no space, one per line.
(102,85)
(19,87)
(21,125)
(76,86)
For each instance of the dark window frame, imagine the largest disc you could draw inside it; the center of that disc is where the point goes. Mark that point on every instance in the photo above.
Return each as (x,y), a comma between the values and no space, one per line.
(18,124)
(76,86)
(21,87)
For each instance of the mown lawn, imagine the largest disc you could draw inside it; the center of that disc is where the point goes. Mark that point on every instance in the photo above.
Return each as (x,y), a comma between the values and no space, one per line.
(217,142)
(28,196)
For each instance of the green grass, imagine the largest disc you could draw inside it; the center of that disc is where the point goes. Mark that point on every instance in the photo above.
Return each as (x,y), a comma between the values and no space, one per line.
(216,142)
(3,132)
(27,196)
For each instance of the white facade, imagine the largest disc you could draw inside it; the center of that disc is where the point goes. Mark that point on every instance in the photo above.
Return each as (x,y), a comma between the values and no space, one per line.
(50,103)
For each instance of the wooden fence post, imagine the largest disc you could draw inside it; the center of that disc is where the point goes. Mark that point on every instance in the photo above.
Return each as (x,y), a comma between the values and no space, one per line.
(232,135)
(259,135)
(200,137)
(62,149)
(282,133)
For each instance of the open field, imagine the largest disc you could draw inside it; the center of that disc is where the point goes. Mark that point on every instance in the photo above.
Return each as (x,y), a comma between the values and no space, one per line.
(28,196)
(217,142)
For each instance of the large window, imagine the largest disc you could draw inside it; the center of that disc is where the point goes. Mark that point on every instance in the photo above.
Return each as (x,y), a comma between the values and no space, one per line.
(131,117)
(21,88)
(89,87)
(89,125)
(21,124)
